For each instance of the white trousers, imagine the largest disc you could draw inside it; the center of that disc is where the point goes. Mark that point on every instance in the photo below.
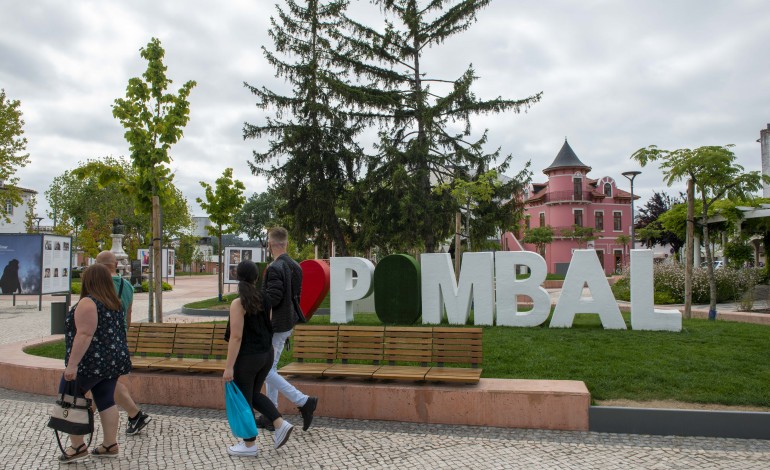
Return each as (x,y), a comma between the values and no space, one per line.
(275,382)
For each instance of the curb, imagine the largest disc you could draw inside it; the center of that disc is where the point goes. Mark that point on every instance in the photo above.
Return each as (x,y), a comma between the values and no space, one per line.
(672,422)
(205,312)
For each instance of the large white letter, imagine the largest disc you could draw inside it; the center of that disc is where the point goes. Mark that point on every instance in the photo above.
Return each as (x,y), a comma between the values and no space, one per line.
(343,290)
(507,288)
(439,288)
(585,268)
(643,313)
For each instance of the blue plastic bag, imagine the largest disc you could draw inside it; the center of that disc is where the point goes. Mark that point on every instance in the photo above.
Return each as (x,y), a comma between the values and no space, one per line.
(239,413)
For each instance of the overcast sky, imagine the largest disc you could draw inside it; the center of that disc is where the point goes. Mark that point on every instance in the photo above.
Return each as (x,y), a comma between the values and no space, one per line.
(615,75)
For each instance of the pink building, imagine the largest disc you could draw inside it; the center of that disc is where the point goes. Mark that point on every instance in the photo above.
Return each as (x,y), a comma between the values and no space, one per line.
(568,198)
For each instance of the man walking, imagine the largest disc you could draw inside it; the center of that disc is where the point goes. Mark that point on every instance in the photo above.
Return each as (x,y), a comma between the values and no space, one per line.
(126,295)
(283,285)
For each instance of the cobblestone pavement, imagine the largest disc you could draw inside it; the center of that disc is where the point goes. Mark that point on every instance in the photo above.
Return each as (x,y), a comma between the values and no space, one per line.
(182,438)
(197,438)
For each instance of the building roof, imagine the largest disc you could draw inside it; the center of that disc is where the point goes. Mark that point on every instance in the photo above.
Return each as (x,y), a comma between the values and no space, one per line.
(566,159)
(24,190)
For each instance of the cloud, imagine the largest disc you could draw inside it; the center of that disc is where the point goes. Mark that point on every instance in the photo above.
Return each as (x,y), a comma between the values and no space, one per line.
(616,76)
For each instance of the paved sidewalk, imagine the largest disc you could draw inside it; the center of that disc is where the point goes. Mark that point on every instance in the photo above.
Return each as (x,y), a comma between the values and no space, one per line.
(197,438)
(181,438)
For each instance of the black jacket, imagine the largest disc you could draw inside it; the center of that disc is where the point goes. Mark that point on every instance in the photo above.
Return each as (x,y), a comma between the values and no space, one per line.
(280,289)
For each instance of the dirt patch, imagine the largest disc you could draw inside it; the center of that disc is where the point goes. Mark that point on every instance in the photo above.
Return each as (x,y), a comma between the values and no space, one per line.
(679,405)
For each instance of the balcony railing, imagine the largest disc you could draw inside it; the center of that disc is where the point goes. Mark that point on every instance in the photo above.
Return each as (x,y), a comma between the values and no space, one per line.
(566,196)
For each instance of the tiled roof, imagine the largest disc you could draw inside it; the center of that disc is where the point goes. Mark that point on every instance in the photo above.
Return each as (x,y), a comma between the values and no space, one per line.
(566,159)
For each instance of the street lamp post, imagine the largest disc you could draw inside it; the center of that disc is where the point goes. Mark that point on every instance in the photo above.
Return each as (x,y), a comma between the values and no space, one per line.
(38,222)
(631,175)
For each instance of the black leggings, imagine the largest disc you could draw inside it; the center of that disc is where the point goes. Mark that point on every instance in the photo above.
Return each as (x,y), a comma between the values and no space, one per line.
(249,374)
(103,390)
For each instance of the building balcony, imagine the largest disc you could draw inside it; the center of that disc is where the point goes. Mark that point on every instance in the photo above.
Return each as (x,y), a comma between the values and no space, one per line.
(561,197)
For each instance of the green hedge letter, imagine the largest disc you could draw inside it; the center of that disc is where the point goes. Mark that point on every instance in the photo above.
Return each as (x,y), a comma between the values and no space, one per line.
(397,290)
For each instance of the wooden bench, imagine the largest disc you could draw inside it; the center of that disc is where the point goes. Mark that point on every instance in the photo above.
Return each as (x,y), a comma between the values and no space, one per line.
(388,353)
(172,343)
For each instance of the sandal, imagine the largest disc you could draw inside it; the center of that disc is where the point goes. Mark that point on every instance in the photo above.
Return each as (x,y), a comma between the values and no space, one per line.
(81,452)
(109,451)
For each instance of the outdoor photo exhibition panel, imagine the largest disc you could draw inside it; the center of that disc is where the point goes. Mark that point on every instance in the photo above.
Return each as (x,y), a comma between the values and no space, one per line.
(57,259)
(236,254)
(167,263)
(34,264)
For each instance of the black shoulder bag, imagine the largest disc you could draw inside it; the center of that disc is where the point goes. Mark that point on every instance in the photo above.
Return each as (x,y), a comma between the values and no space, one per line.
(72,414)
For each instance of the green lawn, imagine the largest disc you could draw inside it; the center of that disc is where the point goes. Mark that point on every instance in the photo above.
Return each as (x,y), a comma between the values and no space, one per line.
(708,362)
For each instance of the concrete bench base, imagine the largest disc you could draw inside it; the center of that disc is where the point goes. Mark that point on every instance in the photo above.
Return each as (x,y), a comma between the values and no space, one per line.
(535,404)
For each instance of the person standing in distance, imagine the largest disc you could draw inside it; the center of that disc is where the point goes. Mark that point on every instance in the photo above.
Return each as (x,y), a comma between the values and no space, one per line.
(281,291)
(137,419)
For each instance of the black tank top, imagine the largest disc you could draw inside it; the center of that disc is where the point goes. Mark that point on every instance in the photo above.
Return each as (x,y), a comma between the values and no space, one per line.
(257,331)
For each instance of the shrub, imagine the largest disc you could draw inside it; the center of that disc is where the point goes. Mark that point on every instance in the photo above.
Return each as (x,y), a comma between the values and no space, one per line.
(669,284)
(146,287)
(75,289)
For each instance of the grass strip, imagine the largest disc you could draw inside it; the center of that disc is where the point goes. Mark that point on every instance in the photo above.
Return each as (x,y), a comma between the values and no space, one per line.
(720,362)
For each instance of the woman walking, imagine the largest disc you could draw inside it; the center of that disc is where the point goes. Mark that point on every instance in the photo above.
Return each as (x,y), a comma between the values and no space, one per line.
(250,355)
(96,355)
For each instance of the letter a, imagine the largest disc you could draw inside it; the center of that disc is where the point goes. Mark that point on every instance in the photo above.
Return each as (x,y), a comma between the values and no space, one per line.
(585,268)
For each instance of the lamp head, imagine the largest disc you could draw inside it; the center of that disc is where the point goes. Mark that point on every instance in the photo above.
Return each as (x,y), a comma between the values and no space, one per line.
(631,174)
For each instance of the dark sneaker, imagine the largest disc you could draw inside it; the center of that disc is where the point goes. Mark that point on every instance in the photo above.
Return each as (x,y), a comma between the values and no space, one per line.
(307,410)
(264,423)
(138,423)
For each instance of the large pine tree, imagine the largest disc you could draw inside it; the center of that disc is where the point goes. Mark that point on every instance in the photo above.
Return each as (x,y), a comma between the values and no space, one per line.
(312,156)
(418,148)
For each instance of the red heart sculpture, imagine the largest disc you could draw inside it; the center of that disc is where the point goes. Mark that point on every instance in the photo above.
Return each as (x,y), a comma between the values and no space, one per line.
(315,285)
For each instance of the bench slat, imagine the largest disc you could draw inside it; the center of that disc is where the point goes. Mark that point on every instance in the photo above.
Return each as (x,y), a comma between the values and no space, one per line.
(308,369)
(401,373)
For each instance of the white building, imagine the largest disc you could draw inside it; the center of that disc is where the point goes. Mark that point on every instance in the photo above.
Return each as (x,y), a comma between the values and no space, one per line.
(17,214)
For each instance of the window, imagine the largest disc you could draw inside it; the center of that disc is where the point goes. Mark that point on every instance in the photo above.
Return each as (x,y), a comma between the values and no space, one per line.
(542,219)
(599,221)
(526,221)
(579,217)
(577,191)
(8,207)
(616,222)
(608,189)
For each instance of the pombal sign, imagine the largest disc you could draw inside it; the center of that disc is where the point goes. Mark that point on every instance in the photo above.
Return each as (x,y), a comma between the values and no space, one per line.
(488,282)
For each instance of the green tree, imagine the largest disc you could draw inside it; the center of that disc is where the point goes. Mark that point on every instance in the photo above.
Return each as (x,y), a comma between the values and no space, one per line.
(579,234)
(540,237)
(488,203)
(715,175)
(185,252)
(738,252)
(12,146)
(623,241)
(257,215)
(312,149)
(30,215)
(154,120)
(221,204)
(98,191)
(419,146)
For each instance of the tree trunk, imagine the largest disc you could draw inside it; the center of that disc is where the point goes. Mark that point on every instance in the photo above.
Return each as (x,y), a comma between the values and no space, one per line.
(458,250)
(220,275)
(710,264)
(688,252)
(158,260)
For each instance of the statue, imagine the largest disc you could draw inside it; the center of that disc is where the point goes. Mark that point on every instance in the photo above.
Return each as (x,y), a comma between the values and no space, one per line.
(117,226)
